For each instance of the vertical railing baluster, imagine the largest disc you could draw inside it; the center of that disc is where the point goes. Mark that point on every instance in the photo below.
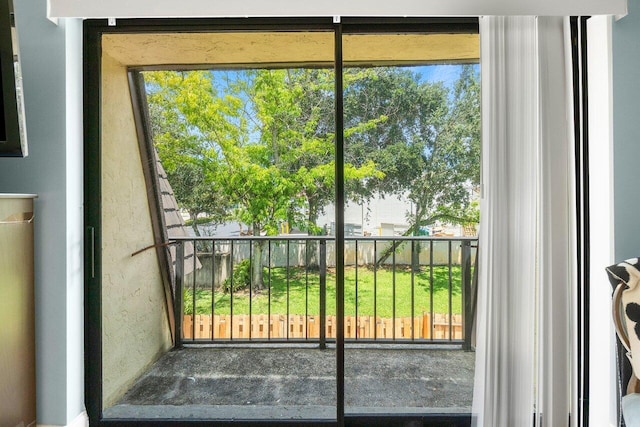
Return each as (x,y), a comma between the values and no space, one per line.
(375,289)
(251,267)
(474,293)
(450,295)
(213,288)
(393,293)
(413,250)
(356,296)
(322,261)
(306,289)
(269,295)
(466,293)
(178,308)
(193,290)
(288,285)
(231,295)
(431,290)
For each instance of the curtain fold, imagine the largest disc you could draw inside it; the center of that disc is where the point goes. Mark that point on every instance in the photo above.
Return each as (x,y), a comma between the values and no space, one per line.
(557,248)
(526,265)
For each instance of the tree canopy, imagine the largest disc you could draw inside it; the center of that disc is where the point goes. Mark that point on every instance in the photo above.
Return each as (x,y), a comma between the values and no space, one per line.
(426,143)
(257,145)
(264,137)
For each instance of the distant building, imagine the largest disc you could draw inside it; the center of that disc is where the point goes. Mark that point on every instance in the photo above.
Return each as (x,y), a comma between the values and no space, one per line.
(376,217)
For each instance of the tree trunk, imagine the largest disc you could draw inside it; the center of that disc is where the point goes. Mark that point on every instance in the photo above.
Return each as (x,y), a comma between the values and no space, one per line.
(193,216)
(256,260)
(415,228)
(387,252)
(415,253)
(312,255)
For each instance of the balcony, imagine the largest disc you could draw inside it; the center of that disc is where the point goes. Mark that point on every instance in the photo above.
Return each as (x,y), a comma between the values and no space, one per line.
(400,289)
(251,352)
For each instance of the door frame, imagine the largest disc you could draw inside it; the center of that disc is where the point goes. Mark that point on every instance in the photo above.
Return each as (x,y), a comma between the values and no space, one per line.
(94,29)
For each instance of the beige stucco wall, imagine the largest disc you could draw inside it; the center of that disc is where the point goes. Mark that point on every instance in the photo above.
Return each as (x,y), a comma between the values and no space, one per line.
(221,48)
(135,329)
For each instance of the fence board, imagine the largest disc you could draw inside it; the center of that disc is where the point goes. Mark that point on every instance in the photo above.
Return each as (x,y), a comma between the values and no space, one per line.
(330,327)
(427,333)
(278,326)
(313,327)
(186,327)
(297,326)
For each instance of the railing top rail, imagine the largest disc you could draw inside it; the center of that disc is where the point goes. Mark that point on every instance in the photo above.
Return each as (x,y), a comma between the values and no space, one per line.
(325,238)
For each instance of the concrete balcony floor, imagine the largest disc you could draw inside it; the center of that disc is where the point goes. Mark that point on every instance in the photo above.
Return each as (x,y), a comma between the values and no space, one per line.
(298,382)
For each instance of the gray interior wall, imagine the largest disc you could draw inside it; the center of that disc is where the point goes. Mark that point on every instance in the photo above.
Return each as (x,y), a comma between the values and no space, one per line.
(52,170)
(626,132)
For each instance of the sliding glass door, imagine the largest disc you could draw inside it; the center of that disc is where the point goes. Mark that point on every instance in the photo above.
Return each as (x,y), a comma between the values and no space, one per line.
(411,113)
(280,219)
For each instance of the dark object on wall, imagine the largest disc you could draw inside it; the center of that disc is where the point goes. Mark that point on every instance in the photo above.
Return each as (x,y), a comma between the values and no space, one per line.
(13,137)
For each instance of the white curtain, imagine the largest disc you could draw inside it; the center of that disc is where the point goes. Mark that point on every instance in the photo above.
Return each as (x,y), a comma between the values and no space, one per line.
(527,268)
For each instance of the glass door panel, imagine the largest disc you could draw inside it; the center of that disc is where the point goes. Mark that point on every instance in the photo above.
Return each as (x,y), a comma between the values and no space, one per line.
(214,229)
(411,126)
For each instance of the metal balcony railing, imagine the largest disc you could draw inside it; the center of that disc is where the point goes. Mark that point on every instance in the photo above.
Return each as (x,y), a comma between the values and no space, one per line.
(397,289)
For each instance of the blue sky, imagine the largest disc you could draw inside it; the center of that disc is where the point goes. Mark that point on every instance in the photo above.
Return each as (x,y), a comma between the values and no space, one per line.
(446,73)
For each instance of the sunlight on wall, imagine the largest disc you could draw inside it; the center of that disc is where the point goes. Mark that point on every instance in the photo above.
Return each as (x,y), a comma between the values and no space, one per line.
(135,326)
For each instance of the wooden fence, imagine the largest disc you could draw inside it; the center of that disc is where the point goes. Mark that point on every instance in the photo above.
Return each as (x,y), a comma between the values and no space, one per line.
(277,326)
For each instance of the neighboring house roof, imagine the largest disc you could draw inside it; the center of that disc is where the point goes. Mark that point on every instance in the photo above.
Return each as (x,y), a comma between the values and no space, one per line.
(173,220)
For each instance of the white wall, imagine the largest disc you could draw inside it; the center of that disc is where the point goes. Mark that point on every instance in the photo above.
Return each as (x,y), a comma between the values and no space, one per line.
(603,411)
(191,8)
(52,85)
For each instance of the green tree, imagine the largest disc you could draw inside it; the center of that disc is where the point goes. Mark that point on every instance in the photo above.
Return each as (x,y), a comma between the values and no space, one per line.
(179,150)
(262,137)
(198,195)
(427,146)
(294,110)
(264,143)
(221,145)
(450,163)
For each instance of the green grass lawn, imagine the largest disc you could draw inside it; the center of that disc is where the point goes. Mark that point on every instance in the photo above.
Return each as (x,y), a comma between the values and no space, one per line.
(304,293)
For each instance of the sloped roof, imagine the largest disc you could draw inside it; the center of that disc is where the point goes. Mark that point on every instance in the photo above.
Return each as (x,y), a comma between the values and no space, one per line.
(173,220)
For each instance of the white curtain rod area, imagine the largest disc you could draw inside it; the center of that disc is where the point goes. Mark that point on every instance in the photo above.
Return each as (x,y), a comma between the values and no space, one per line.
(329,8)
